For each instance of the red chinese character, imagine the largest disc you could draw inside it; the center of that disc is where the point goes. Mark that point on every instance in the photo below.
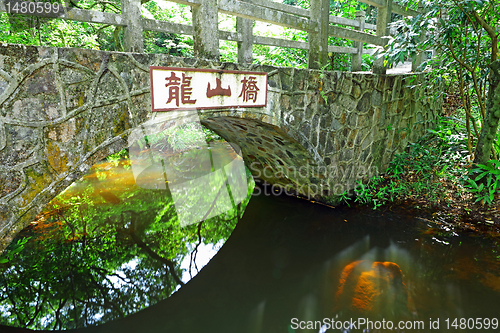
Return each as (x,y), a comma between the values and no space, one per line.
(173,83)
(249,89)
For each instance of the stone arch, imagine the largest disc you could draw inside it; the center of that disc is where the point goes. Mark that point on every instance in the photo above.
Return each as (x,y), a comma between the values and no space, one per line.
(60,107)
(270,153)
(39,187)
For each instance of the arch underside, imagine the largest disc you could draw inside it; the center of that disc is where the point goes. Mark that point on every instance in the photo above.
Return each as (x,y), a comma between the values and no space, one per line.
(271,154)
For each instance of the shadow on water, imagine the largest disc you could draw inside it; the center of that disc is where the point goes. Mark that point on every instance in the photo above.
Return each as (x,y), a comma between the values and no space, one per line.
(285,266)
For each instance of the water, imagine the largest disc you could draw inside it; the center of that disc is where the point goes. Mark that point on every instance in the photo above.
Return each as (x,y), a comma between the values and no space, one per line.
(111,256)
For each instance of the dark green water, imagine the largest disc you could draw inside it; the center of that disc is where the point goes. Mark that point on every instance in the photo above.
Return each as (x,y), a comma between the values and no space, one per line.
(110,256)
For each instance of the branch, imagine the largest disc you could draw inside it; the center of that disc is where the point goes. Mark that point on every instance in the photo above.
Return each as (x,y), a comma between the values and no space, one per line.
(75,5)
(102,2)
(461,62)
(58,312)
(37,311)
(12,301)
(105,294)
(466,14)
(195,251)
(199,228)
(491,32)
(156,256)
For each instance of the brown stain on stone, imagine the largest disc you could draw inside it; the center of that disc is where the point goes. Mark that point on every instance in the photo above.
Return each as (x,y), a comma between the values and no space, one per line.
(63,132)
(121,123)
(58,159)
(37,182)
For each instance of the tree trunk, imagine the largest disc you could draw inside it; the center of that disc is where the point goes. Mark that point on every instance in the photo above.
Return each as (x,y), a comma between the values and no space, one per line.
(490,124)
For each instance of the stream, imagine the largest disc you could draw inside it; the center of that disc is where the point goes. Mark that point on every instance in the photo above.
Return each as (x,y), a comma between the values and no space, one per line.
(164,247)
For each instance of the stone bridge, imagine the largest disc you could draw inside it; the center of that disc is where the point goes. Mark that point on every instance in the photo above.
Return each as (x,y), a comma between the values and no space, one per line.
(63,109)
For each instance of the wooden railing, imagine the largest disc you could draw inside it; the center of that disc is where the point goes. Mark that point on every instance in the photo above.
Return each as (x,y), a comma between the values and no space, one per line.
(316,21)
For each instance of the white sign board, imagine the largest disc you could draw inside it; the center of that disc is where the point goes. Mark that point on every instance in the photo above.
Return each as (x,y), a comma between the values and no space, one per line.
(175,88)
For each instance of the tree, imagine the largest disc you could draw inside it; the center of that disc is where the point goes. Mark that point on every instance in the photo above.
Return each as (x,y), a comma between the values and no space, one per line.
(466,34)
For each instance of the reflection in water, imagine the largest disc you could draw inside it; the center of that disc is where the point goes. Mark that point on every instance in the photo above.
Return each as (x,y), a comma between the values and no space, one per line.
(210,171)
(368,288)
(107,248)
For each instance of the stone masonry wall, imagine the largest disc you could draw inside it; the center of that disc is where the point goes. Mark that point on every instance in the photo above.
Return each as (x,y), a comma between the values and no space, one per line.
(61,110)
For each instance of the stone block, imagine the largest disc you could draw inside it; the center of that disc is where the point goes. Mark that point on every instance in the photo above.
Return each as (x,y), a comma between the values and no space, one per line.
(376,98)
(364,103)
(299,81)
(326,121)
(109,89)
(286,102)
(336,125)
(356,91)
(285,75)
(347,103)
(9,182)
(367,140)
(20,145)
(346,86)
(298,100)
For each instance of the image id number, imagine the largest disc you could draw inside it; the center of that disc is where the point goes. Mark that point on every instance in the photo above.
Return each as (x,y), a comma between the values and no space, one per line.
(28,7)
(472,323)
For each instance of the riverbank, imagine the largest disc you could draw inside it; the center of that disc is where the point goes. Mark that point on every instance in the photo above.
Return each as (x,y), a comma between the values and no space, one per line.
(435,177)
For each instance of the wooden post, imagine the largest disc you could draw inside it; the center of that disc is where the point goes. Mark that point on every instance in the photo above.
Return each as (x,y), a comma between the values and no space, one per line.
(383,20)
(357,59)
(419,58)
(244,28)
(132,33)
(318,41)
(206,32)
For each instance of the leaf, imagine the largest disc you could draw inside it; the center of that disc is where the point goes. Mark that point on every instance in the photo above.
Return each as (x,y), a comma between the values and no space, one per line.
(4,260)
(402,57)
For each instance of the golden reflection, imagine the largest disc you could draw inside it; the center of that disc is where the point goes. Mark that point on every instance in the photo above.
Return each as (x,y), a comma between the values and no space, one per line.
(372,288)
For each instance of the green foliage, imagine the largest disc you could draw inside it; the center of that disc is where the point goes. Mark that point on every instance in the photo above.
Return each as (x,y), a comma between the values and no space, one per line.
(184,136)
(19,29)
(437,160)
(463,34)
(181,137)
(210,135)
(484,181)
(9,254)
(423,169)
(344,197)
(101,251)
(59,33)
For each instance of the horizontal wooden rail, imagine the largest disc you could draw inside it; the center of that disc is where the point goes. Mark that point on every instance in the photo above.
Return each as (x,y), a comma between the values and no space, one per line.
(268,15)
(398,9)
(350,22)
(357,36)
(164,26)
(375,3)
(306,13)
(310,20)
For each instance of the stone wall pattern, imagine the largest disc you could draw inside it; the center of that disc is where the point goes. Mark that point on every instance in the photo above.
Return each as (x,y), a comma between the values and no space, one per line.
(63,109)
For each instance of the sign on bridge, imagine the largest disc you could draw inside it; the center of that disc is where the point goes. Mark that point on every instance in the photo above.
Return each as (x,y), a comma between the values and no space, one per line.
(175,88)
